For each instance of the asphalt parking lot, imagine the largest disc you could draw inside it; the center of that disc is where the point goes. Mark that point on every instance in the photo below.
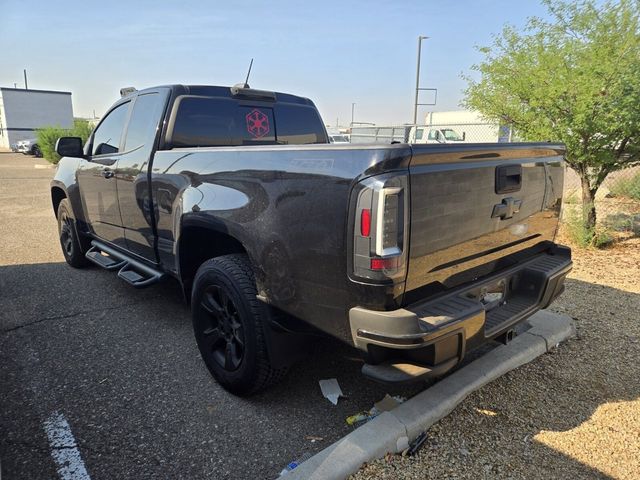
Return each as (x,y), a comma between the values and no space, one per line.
(121,366)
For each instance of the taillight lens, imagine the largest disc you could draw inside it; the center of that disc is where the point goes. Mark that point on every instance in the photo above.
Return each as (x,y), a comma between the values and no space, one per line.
(365,222)
(380,231)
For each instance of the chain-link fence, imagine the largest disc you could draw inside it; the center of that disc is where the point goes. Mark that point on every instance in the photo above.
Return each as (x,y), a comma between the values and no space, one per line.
(617,201)
(473,132)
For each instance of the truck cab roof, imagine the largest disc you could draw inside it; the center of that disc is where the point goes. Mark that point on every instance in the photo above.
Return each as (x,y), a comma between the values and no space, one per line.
(227,92)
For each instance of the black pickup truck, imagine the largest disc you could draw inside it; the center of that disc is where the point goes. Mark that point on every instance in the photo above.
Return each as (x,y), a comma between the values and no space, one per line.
(413,254)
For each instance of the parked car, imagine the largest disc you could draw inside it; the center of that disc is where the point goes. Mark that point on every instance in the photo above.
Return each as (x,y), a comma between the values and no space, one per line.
(413,254)
(28,147)
(339,138)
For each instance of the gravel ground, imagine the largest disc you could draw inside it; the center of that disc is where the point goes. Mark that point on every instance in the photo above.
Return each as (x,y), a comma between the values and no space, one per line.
(573,413)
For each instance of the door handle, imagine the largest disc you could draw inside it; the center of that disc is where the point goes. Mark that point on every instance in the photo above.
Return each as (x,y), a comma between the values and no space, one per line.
(107,173)
(508,178)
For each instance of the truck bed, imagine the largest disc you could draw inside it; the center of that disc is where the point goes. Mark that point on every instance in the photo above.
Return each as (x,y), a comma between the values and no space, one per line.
(291,204)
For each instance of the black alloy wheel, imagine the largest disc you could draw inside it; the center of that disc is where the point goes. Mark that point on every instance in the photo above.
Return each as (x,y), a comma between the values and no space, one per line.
(224,338)
(230,325)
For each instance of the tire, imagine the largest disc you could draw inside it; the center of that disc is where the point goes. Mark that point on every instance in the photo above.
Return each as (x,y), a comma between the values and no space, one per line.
(229,323)
(36,151)
(69,237)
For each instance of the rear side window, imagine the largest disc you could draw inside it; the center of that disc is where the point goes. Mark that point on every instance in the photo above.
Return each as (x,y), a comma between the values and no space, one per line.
(144,121)
(211,122)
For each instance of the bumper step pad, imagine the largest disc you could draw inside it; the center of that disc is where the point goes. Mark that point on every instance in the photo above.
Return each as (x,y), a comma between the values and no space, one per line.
(402,372)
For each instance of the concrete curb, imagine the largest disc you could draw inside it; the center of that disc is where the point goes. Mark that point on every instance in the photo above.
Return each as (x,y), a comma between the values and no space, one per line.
(391,431)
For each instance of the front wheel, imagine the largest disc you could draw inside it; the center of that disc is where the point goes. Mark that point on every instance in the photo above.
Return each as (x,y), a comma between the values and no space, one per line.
(229,323)
(68,236)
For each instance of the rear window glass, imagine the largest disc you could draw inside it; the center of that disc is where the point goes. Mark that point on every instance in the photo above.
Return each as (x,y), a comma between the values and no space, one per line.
(210,122)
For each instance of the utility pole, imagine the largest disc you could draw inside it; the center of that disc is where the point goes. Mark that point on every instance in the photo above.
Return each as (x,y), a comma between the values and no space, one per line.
(26,85)
(415,104)
(353,106)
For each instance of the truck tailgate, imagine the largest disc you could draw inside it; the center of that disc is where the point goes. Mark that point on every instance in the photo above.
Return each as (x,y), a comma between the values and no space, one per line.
(479,208)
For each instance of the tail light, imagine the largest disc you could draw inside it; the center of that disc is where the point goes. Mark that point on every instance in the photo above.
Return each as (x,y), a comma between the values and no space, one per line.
(380,230)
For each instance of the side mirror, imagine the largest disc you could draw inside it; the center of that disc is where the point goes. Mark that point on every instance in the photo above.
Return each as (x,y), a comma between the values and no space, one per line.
(69,147)
(464,135)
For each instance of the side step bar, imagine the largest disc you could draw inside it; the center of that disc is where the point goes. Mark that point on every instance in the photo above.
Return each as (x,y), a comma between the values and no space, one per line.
(135,273)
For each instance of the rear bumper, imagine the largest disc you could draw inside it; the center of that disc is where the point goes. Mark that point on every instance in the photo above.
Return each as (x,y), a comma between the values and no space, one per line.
(438,332)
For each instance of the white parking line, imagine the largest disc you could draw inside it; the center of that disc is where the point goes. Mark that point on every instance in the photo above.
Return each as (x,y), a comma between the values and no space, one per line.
(64,448)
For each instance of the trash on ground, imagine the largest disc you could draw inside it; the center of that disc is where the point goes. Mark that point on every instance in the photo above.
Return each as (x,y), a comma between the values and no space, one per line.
(313,438)
(417,444)
(331,390)
(296,463)
(358,417)
(387,404)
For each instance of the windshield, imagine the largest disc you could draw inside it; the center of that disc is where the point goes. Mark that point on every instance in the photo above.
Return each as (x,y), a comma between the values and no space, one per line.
(451,135)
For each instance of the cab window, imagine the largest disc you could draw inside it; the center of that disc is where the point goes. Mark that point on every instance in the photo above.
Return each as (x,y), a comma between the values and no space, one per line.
(212,122)
(434,135)
(106,139)
(144,121)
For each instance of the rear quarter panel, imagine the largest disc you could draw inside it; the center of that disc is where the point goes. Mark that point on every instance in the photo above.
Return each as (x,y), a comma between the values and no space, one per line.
(288,206)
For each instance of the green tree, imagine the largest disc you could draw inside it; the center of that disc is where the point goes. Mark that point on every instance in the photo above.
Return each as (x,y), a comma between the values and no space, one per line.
(575,79)
(48,136)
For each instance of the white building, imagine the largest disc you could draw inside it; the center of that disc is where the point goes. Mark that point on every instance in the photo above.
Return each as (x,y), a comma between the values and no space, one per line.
(22,111)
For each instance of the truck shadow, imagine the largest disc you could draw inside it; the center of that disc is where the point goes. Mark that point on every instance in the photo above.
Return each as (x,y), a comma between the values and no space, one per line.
(44,305)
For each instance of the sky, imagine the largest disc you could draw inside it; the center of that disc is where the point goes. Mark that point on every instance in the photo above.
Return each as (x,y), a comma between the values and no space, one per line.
(336,53)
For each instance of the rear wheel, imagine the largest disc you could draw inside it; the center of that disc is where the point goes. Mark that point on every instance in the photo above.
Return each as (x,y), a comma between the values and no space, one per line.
(229,323)
(68,236)
(36,151)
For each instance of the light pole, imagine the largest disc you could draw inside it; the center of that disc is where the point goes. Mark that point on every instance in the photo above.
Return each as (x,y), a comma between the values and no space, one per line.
(353,106)
(415,105)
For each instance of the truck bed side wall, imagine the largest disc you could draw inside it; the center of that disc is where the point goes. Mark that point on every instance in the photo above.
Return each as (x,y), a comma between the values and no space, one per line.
(288,208)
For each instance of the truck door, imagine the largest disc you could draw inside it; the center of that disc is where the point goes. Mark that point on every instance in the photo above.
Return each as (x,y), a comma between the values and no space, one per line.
(96,177)
(134,195)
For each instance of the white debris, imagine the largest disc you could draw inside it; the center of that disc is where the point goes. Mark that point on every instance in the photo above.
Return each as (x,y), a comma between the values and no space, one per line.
(331,390)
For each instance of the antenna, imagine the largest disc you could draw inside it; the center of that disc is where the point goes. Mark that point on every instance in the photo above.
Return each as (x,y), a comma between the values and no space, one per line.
(246,84)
